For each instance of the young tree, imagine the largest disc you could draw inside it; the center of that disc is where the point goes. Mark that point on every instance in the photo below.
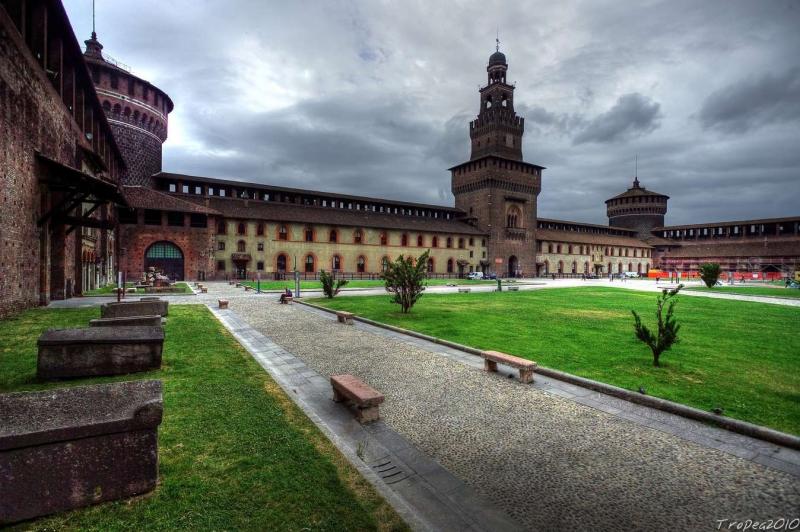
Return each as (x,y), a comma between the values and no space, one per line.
(709,273)
(667,334)
(405,278)
(329,287)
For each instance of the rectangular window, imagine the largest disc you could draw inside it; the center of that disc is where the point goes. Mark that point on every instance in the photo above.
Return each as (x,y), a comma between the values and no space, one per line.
(127,216)
(220,265)
(260,266)
(152,217)
(221,246)
(261,246)
(198,220)
(175,219)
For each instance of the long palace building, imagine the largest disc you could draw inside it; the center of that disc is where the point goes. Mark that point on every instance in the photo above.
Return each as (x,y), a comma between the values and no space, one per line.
(106,155)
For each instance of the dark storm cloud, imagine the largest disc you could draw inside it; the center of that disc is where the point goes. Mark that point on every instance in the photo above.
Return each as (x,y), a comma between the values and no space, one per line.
(633,115)
(753,102)
(375,98)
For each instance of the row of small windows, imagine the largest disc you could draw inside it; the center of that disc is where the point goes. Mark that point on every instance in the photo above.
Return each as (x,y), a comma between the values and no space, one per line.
(337,264)
(638,199)
(309,235)
(157,217)
(735,230)
(507,165)
(576,228)
(308,201)
(569,249)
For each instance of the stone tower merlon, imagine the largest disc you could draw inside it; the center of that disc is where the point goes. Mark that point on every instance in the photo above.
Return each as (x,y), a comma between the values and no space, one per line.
(637,208)
(497,130)
(496,189)
(136,110)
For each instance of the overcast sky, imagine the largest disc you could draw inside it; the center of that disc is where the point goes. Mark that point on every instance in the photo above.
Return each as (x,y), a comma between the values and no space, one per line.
(374,98)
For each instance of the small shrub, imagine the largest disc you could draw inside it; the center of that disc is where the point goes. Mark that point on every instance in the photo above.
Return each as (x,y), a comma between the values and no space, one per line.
(405,278)
(709,273)
(667,334)
(330,287)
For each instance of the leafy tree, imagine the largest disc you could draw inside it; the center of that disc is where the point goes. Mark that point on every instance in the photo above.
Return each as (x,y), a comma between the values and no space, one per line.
(667,334)
(709,273)
(329,287)
(405,278)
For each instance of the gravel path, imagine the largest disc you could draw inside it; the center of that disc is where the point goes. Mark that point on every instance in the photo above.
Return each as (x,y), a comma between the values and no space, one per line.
(552,464)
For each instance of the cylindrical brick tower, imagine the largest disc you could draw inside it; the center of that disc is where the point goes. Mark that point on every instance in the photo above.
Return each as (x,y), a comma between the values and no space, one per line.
(137,111)
(637,208)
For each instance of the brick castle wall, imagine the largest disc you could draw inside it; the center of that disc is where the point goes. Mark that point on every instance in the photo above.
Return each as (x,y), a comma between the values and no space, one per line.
(141,151)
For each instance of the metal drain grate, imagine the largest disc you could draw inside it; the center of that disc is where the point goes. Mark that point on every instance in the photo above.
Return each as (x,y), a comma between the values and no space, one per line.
(388,471)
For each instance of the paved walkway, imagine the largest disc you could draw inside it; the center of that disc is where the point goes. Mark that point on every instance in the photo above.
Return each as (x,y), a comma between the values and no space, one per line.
(549,457)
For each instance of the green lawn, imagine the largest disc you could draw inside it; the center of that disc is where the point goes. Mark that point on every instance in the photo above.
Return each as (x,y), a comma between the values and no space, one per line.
(355,283)
(110,290)
(742,356)
(750,290)
(234,451)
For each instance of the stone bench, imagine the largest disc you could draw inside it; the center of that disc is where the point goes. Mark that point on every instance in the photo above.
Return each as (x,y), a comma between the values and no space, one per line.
(344,317)
(365,398)
(131,321)
(72,447)
(247,288)
(525,367)
(127,309)
(238,285)
(513,288)
(204,290)
(223,303)
(69,353)
(464,290)
(286,300)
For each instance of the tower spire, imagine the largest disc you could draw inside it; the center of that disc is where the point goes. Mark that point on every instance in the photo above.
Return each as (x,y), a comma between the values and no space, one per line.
(496,40)
(636,171)
(94,33)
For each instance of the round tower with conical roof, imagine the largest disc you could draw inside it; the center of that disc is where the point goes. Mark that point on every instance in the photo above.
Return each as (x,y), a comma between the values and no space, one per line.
(637,208)
(137,111)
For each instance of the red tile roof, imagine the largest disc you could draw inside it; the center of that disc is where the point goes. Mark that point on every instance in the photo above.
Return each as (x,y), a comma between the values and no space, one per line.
(139,197)
(774,247)
(556,235)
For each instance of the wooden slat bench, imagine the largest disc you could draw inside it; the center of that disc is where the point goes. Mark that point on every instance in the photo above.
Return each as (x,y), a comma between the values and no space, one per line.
(513,288)
(344,317)
(464,290)
(525,367)
(365,398)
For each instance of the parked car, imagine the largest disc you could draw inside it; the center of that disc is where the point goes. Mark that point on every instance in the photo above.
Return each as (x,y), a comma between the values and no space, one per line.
(490,276)
(631,275)
(475,276)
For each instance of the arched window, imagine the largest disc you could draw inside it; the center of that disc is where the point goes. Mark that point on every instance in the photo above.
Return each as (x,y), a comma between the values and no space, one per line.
(610,268)
(281,263)
(460,243)
(619,268)
(283,232)
(106,107)
(260,229)
(558,248)
(449,265)
(630,267)
(117,109)
(449,241)
(570,249)
(546,266)
(404,239)
(309,263)
(309,234)
(435,242)
(513,217)
(333,236)
(384,239)
(585,267)
(647,267)
(420,241)
(361,264)
(384,264)
(221,227)
(430,265)
(639,268)
(560,266)
(358,236)
(240,246)
(336,263)
(549,248)
(241,229)
(574,267)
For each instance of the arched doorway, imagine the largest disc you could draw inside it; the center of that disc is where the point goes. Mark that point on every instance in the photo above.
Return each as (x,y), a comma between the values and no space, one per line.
(166,257)
(513,266)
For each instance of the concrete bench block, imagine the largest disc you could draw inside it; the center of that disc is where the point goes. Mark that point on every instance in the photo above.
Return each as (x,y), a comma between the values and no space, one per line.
(69,353)
(344,317)
(223,303)
(132,321)
(126,309)
(365,398)
(513,288)
(464,290)
(73,447)
(204,290)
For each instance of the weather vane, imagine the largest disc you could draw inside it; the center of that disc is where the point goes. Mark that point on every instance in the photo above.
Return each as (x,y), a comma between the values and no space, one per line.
(497,40)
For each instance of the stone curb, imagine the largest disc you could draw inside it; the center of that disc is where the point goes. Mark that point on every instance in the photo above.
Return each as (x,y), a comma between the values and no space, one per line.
(733,425)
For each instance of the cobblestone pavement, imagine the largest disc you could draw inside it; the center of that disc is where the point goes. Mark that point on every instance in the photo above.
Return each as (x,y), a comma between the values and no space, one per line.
(547,461)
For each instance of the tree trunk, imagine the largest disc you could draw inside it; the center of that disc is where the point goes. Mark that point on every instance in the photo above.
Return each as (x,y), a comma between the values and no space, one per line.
(655,359)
